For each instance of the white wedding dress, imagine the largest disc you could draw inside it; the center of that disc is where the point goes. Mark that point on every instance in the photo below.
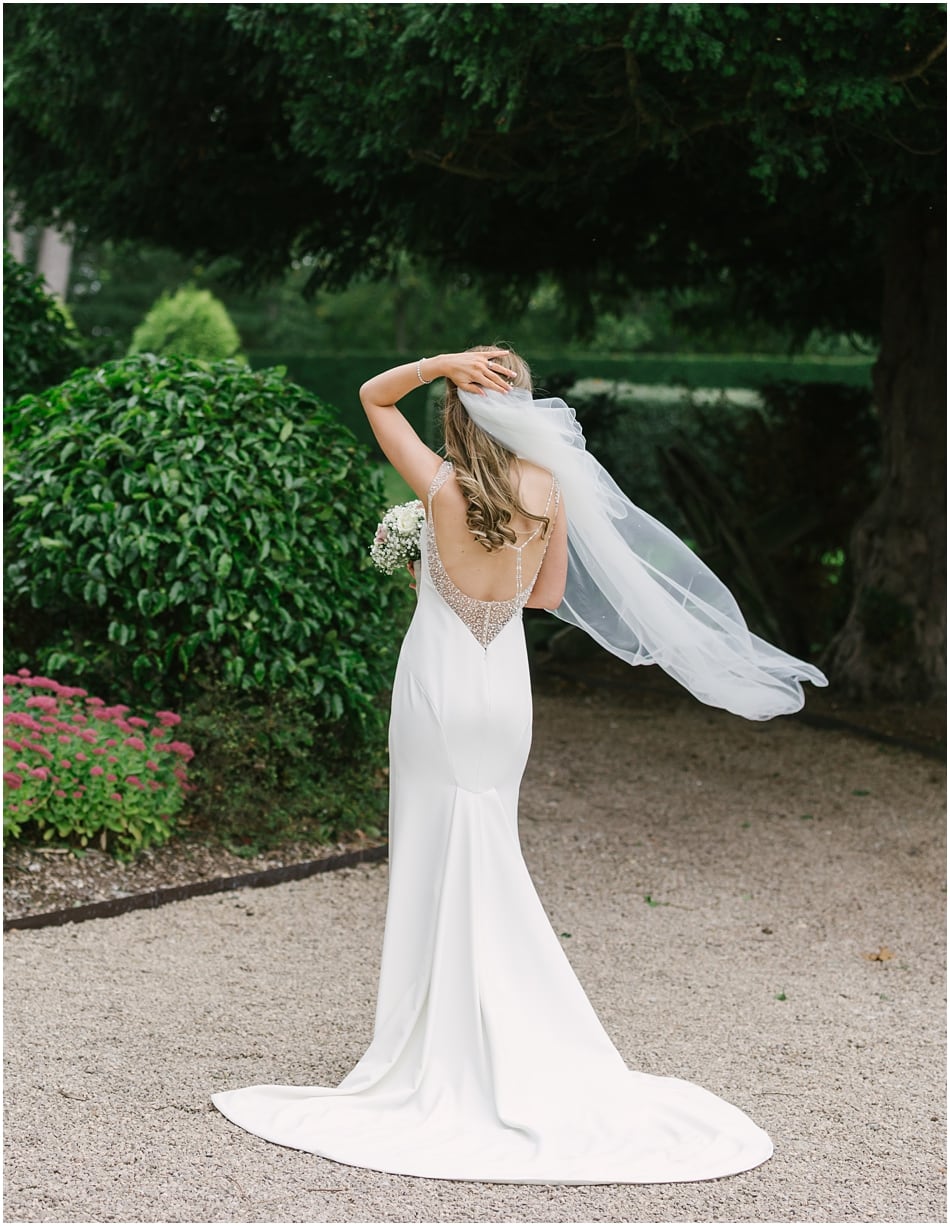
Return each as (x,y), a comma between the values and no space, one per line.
(487,1062)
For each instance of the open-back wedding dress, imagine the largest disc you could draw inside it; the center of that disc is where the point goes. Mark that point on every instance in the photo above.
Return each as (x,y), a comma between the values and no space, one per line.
(487,1061)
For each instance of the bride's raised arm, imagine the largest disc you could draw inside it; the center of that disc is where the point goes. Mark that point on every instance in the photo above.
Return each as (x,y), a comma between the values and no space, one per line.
(416,462)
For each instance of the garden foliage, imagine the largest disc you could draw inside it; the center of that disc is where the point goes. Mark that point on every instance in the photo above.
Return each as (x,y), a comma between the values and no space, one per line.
(270,770)
(774,496)
(77,771)
(798,126)
(175,523)
(40,346)
(767,486)
(190,323)
(813,136)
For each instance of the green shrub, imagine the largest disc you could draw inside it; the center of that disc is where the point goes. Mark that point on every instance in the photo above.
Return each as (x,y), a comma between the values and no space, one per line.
(268,772)
(628,425)
(190,323)
(765,484)
(40,345)
(771,499)
(338,378)
(173,522)
(77,771)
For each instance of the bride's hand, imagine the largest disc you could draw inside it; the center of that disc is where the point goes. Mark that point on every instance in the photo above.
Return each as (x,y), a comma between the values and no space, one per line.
(476,372)
(411,568)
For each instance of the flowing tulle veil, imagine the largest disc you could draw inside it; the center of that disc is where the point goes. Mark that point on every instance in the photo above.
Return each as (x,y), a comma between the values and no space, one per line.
(632,584)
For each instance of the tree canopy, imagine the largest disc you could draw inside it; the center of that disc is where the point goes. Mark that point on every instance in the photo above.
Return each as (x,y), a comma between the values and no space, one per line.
(793,154)
(613,146)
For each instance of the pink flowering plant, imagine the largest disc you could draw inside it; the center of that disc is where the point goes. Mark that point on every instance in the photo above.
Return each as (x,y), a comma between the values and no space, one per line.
(77,771)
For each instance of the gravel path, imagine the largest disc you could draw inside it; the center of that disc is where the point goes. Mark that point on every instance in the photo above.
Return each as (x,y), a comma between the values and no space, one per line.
(758,908)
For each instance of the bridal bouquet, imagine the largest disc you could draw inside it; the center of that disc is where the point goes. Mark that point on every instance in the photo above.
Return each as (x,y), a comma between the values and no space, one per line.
(397,537)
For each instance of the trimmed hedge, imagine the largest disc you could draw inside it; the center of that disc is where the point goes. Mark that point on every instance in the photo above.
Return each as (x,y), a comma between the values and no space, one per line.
(337,379)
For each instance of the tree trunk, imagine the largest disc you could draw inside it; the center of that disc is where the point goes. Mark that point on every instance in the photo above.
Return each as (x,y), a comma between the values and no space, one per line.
(54,261)
(400,318)
(16,239)
(893,644)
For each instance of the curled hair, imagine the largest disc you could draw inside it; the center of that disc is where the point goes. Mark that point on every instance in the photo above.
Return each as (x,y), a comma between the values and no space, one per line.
(483,466)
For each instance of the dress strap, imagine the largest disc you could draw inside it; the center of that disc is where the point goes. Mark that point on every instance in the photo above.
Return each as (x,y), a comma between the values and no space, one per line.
(555,493)
(440,478)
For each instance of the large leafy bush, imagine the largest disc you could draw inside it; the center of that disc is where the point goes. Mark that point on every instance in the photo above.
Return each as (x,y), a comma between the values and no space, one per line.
(188,323)
(40,346)
(175,524)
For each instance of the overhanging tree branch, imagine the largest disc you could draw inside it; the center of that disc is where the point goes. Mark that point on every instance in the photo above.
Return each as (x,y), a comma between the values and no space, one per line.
(919,69)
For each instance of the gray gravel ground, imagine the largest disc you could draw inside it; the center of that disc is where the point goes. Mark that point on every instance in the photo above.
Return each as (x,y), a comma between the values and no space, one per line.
(776,859)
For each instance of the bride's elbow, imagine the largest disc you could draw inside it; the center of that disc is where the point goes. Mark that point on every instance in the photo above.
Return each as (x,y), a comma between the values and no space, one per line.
(548,592)
(547,604)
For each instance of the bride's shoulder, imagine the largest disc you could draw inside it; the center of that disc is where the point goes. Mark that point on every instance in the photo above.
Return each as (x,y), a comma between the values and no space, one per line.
(532,470)
(532,479)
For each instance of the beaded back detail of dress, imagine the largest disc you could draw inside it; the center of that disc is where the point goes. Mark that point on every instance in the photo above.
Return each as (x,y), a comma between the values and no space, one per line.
(484,618)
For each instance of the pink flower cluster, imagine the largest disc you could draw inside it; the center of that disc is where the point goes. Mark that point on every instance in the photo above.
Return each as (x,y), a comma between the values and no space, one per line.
(61,745)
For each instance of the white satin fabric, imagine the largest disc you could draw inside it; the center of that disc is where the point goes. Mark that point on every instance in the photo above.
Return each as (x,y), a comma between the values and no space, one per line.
(632,584)
(487,1061)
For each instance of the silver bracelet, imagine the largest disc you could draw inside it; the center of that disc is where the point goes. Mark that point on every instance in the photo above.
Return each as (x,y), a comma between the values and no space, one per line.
(419,371)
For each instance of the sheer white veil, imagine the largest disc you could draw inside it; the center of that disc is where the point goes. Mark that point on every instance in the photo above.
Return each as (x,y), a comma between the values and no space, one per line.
(632,584)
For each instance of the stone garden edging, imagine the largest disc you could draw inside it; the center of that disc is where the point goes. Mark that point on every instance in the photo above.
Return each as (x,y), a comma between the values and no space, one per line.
(192,889)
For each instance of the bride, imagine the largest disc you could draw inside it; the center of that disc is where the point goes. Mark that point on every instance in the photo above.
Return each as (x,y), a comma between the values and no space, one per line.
(487,1060)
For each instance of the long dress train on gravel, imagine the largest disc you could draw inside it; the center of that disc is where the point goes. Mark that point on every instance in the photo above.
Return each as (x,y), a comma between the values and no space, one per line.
(487,1062)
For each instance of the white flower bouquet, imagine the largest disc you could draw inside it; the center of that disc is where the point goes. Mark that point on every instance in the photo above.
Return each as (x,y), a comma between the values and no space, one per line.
(397,537)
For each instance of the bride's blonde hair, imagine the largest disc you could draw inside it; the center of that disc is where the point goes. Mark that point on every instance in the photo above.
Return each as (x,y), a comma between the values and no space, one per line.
(483,466)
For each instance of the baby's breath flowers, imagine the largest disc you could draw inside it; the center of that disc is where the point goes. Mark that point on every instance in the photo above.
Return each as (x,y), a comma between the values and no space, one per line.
(397,537)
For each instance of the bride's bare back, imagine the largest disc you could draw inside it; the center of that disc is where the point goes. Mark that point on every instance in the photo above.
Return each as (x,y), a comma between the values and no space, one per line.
(494,575)
(474,571)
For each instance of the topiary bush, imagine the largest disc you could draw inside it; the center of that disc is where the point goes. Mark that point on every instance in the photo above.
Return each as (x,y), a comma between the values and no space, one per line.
(40,345)
(174,523)
(188,323)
